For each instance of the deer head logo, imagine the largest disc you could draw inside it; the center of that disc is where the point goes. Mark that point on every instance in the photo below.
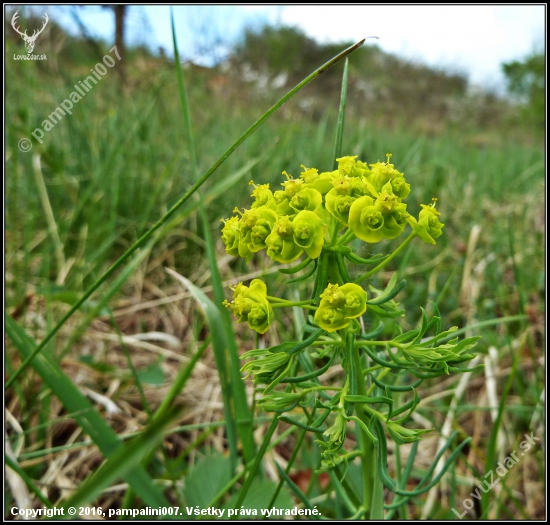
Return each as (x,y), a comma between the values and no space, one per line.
(29,40)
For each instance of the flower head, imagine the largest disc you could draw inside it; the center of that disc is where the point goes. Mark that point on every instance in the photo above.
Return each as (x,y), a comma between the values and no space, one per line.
(428,227)
(340,304)
(261,194)
(250,305)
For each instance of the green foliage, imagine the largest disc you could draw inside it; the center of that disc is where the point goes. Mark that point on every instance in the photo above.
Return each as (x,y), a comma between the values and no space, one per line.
(120,162)
(527,79)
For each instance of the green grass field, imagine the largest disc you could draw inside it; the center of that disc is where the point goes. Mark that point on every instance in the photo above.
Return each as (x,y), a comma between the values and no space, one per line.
(105,174)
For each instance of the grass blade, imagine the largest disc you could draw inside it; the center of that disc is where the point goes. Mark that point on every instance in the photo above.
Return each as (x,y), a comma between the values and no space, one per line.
(219,346)
(341,116)
(144,238)
(122,461)
(236,389)
(85,414)
(293,487)
(257,460)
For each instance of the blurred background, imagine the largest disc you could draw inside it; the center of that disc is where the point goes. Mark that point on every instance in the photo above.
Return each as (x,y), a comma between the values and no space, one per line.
(455,93)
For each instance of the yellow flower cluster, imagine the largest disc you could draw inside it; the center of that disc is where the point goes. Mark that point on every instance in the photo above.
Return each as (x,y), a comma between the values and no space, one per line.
(306,215)
(295,219)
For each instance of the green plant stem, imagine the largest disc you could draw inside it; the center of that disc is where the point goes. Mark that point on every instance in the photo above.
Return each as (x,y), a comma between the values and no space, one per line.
(368,460)
(318,388)
(301,304)
(285,302)
(145,237)
(367,408)
(326,343)
(295,452)
(334,225)
(371,369)
(388,259)
(281,300)
(254,468)
(347,237)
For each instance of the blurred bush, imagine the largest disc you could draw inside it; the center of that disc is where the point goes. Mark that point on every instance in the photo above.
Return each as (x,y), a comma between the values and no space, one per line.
(526,79)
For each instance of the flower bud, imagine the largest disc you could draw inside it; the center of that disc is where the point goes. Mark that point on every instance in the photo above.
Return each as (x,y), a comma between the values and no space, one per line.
(355,300)
(383,173)
(346,165)
(292,186)
(330,319)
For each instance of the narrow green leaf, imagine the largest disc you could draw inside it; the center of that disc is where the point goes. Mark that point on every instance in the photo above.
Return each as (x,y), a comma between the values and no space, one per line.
(341,116)
(236,389)
(294,488)
(368,399)
(122,462)
(290,421)
(359,260)
(388,294)
(28,481)
(403,480)
(297,268)
(311,375)
(292,348)
(373,334)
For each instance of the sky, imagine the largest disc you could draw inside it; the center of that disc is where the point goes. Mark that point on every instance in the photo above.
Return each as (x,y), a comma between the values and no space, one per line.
(469,39)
